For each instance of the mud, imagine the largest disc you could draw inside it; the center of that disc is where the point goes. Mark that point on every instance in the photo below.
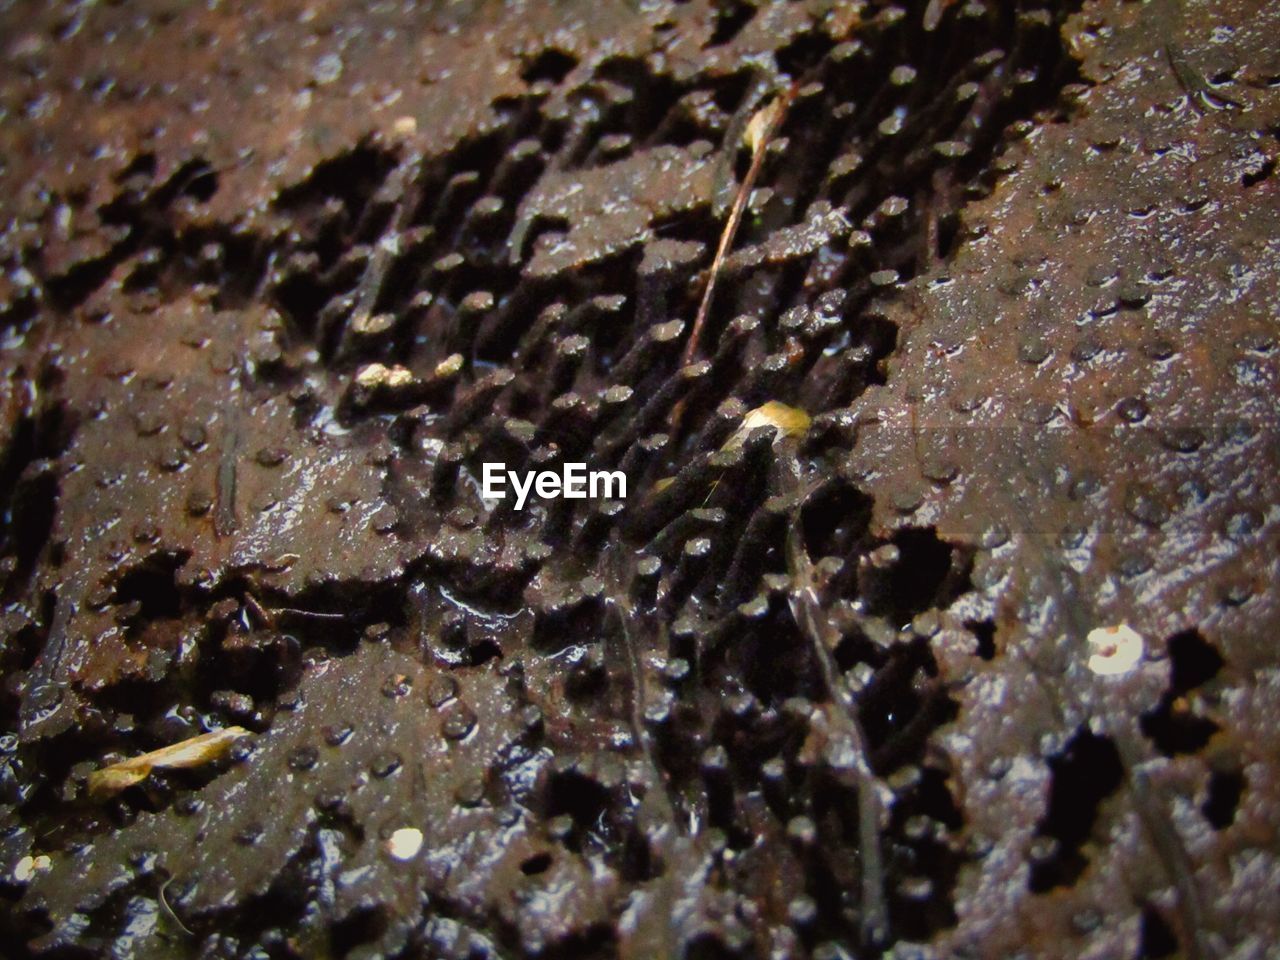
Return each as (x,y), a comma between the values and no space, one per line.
(277,281)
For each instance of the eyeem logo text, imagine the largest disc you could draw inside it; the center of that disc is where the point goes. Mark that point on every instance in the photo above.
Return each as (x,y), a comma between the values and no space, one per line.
(575,482)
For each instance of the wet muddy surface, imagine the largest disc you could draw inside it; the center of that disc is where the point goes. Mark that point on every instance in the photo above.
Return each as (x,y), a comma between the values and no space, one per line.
(939,620)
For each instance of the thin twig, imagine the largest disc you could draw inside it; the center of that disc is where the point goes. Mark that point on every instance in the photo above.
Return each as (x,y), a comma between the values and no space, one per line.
(170,912)
(807,611)
(764,124)
(224,514)
(760,132)
(761,129)
(616,601)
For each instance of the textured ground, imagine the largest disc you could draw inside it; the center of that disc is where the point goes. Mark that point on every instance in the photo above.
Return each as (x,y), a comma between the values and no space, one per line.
(276,279)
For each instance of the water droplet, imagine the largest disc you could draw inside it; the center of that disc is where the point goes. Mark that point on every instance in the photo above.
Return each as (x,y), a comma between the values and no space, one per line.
(171,459)
(470,793)
(396,685)
(303,758)
(192,435)
(336,734)
(1132,409)
(996,535)
(1144,506)
(459,722)
(441,690)
(1243,525)
(147,423)
(1033,350)
(1133,564)
(199,502)
(327,69)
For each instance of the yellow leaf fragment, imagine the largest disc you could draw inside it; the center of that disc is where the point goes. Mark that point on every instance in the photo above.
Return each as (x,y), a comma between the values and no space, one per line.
(195,752)
(449,365)
(380,375)
(760,126)
(786,422)
(372,324)
(29,866)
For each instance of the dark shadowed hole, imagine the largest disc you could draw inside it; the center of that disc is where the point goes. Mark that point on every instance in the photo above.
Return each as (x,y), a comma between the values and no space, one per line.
(937,800)
(902,706)
(730,91)
(948,235)
(580,797)
(351,177)
(638,863)
(1193,661)
(202,185)
(730,19)
(550,65)
(363,926)
(1158,939)
(144,164)
(1225,789)
(483,651)
(834,521)
(1172,727)
(985,631)
(1262,173)
(926,560)
(153,586)
(34,500)
(803,53)
(536,864)
(928,573)
(73,287)
(881,335)
(1084,774)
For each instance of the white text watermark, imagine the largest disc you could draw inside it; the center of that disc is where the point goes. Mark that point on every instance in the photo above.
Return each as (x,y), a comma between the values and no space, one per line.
(573,482)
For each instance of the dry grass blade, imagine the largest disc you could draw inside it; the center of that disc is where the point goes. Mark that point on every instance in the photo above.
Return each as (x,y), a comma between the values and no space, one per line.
(760,130)
(816,626)
(195,752)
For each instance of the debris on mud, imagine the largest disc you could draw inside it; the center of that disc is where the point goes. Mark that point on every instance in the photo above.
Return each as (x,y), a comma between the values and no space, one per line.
(938,621)
(195,752)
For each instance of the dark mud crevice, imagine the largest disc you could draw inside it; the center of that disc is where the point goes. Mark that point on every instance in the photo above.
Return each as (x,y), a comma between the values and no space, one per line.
(1226,787)
(550,65)
(730,18)
(1085,773)
(382,255)
(1158,938)
(143,221)
(1173,726)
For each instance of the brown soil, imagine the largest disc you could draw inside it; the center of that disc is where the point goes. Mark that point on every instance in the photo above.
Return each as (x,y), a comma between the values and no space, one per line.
(276,280)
